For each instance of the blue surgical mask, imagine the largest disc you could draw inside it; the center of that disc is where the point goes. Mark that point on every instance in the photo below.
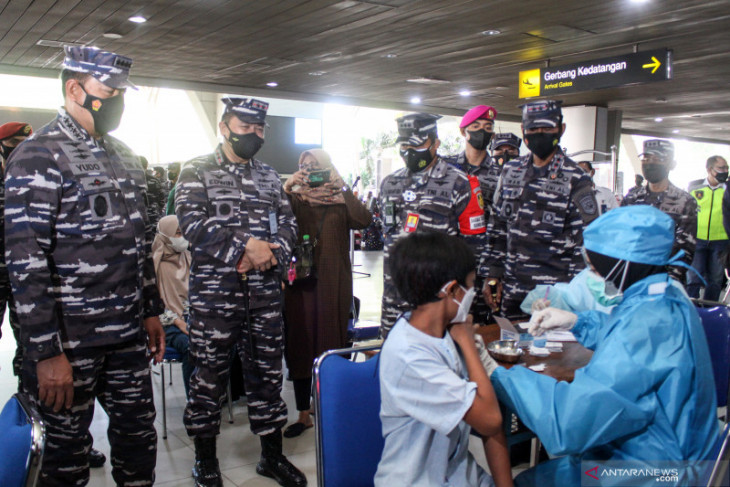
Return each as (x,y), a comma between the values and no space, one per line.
(598,288)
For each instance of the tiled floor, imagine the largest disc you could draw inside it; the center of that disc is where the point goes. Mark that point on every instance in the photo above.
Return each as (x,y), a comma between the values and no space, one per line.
(238,448)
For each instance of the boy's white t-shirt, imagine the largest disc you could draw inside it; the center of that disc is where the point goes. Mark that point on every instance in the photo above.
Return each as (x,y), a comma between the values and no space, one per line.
(425,393)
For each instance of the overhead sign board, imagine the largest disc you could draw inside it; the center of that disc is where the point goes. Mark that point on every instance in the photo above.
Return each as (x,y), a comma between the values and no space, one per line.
(639,67)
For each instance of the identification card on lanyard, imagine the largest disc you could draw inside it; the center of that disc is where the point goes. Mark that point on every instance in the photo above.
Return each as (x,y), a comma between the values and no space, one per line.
(273,223)
(411,223)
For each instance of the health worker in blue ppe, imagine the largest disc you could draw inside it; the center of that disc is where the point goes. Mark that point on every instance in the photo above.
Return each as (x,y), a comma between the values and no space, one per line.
(647,395)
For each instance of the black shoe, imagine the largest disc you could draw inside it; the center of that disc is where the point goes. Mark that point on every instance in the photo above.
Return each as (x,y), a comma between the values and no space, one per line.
(274,464)
(206,471)
(96,459)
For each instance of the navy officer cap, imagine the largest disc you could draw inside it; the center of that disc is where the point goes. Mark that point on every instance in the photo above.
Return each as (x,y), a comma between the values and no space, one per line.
(415,128)
(107,67)
(542,113)
(247,110)
(505,139)
(660,148)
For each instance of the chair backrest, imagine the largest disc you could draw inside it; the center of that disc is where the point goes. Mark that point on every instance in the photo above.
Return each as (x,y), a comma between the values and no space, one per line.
(23,441)
(716,322)
(347,419)
(718,476)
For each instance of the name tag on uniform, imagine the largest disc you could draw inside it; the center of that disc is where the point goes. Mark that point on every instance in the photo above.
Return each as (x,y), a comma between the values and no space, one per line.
(477,222)
(273,223)
(411,223)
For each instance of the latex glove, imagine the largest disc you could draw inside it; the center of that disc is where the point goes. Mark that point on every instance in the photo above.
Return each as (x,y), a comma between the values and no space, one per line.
(551,319)
(490,365)
(539,304)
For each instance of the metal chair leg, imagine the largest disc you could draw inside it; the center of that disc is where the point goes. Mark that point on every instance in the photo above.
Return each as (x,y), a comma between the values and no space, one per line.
(170,373)
(164,405)
(230,403)
(535,446)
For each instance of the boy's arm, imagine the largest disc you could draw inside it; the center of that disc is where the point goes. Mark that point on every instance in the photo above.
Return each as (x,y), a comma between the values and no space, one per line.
(498,459)
(483,415)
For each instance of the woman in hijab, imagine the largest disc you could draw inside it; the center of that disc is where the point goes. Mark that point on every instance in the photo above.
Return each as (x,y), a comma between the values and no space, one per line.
(172,266)
(317,310)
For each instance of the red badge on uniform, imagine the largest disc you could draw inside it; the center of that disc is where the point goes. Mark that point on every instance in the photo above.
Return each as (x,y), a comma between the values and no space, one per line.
(411,223)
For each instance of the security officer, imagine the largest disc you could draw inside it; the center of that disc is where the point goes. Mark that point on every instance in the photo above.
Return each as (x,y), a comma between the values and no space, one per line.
(477,127)
(157,196)
(426,195)
(657,159)
(233,211)
(82,276)
(543,201)
(712,240)
(505,147)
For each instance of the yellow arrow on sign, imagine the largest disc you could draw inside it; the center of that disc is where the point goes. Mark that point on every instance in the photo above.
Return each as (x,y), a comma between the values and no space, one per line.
(654,64)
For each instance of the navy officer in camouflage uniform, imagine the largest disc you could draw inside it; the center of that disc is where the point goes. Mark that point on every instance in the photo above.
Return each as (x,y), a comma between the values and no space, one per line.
(233,211)
(542,202)
(426,195)
(82,276)
(657,159)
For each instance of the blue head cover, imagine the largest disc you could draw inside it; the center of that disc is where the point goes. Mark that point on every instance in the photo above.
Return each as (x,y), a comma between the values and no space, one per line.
(248,110)
(415,128)
(544,113)
(663,149)
(505,139)
(107,67)
(637,233)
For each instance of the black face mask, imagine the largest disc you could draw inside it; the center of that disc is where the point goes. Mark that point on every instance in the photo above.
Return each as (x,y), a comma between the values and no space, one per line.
(504,158)
(5,151)
(542,144)
(106,112)
(417,159)
(245,145)
(479,139)
(721,177)
(655,173)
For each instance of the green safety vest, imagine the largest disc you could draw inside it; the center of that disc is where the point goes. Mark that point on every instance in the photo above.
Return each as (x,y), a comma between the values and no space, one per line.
(709,216)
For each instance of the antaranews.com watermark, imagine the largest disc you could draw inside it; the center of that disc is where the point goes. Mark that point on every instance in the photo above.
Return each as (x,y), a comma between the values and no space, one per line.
(642,474)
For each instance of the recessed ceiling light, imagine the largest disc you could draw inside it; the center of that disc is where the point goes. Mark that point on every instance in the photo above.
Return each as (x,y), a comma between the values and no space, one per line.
(112,35)
(138,19)
(675,131)
(390,55)
(415,100)
(658,119)
(317,73)
(272,84)
(639,1)
(465,93)
(491,32)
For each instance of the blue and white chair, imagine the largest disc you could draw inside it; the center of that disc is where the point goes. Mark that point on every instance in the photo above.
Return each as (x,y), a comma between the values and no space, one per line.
(23,442)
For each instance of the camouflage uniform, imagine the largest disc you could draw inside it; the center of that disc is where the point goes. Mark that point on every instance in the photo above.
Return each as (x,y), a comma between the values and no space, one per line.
(434,199)
(220,205)
(487,173)
(682,207)
(78,253)
(536,227)
(6,296)
(157,199)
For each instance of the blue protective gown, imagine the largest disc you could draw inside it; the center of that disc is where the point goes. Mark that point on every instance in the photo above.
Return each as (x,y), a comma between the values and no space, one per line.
(571,296)
(647,393)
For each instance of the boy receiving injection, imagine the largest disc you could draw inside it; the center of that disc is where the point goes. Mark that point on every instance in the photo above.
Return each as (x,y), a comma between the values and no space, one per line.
(433,385)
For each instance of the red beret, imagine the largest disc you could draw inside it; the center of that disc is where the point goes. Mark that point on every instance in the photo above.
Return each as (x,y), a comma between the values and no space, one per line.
(480,111)
(11,129)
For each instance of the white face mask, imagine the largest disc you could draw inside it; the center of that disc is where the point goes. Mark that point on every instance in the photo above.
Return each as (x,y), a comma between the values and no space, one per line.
(179,244)
(464,305)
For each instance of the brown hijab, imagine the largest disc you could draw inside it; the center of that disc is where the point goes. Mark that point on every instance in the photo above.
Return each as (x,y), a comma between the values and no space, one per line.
(320,195)
(171,267)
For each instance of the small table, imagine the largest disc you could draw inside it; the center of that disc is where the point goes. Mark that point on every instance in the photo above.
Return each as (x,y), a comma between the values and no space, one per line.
(559,365)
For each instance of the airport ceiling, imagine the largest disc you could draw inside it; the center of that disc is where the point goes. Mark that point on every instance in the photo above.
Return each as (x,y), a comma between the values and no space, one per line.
(363,52)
